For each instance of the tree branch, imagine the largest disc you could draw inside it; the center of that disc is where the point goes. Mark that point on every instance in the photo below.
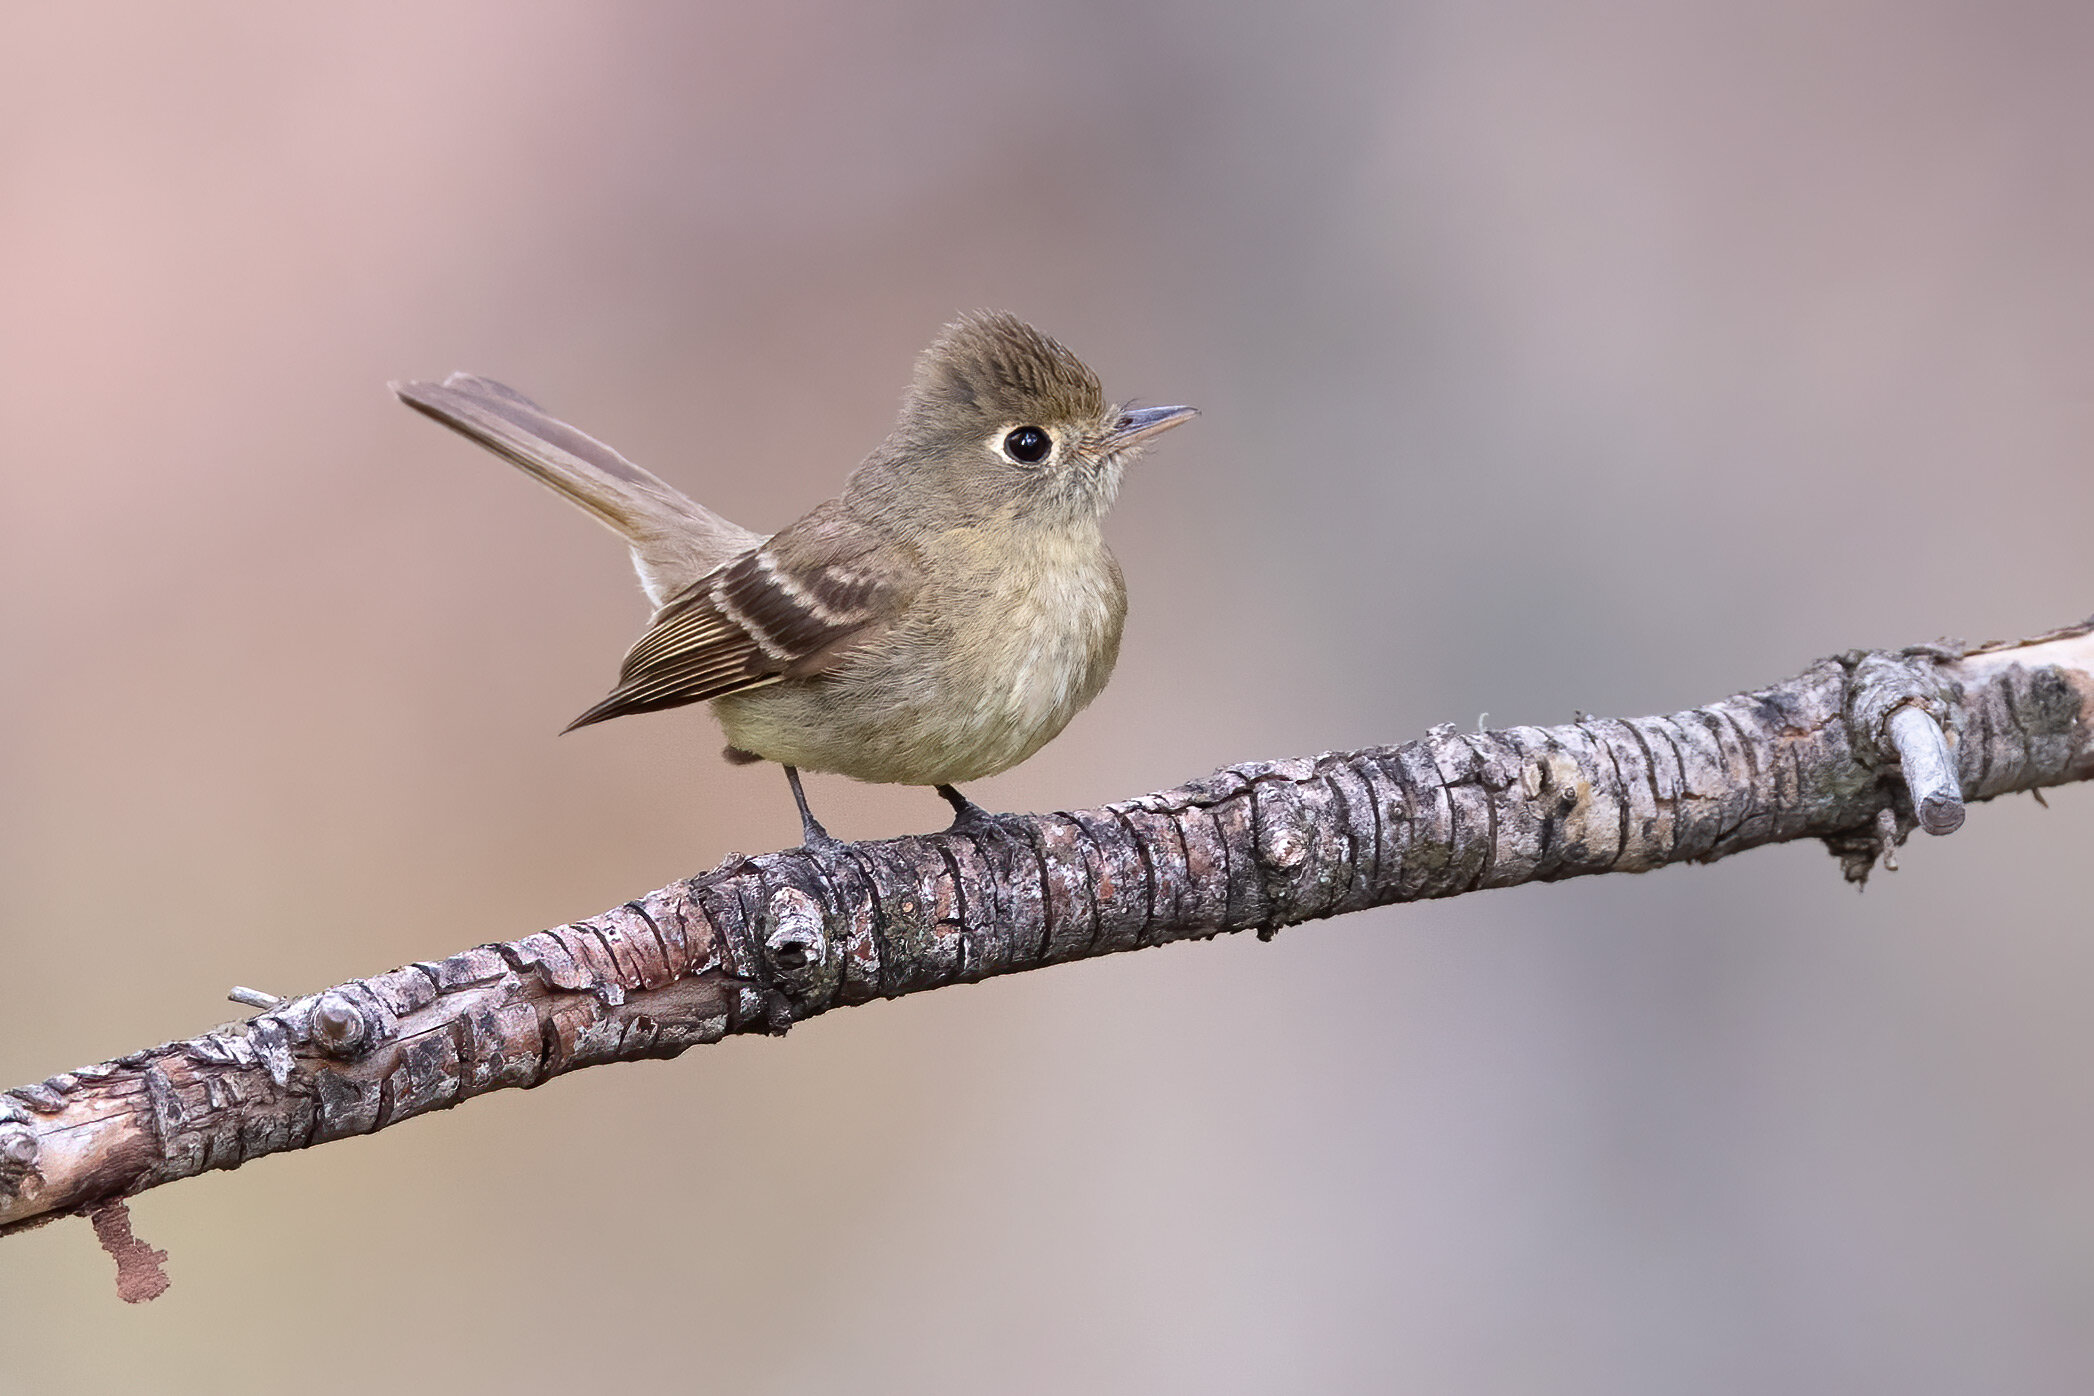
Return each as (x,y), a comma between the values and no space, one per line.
(1857,750)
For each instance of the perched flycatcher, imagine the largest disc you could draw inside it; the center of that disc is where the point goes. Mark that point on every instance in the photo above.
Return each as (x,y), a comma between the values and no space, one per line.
(939,621)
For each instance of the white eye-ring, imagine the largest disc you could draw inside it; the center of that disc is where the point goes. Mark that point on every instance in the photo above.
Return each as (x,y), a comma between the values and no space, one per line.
(1027,445)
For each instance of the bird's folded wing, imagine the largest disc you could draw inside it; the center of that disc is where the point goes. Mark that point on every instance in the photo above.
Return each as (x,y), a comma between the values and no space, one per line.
(790,608)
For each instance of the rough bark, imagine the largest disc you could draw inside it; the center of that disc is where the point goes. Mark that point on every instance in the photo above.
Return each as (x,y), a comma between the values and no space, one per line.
(761,943)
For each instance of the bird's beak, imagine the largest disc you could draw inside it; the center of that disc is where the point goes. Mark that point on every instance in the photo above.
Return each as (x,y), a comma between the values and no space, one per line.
(1138,424)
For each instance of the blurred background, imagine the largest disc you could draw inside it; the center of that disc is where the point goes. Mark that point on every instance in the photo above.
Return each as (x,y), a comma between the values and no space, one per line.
(1610,357)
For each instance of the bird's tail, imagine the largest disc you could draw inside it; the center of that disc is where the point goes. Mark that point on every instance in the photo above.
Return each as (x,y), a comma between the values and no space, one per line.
(675,540)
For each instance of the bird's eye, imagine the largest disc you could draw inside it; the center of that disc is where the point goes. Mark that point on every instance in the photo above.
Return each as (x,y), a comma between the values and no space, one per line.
(1028,445)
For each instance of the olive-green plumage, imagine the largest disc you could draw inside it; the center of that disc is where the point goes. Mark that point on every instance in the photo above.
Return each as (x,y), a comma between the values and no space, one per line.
(939,620)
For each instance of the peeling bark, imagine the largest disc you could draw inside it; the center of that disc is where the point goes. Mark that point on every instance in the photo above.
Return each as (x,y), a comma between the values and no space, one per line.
(139,1275)
(761,943)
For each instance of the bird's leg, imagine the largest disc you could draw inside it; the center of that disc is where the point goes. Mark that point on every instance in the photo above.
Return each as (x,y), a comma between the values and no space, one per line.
(812,834)
(966,814)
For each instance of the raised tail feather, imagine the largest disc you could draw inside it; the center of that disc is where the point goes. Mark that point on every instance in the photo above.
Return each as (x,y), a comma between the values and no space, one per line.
(675,540)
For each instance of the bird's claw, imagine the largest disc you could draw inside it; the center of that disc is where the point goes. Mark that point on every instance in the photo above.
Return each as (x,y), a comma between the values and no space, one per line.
(967,816)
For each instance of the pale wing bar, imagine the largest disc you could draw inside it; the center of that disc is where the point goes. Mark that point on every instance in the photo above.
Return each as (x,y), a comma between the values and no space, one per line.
(753,622)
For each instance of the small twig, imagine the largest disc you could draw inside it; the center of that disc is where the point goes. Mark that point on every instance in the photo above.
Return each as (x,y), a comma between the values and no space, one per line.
(1930,772)
(254,998)
(19,1147)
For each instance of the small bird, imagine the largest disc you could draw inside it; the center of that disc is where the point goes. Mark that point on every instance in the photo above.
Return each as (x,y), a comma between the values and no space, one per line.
(939,621)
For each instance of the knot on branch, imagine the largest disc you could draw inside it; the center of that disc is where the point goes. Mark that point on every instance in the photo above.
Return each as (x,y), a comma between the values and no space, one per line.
(796,944)
(800,964)
(338,1029)
(1878,687)
(1896,707)
(1282,832)
(19,1151)
(343,1023)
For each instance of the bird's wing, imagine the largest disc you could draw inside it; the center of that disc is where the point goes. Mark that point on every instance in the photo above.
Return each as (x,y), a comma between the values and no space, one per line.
(790,608)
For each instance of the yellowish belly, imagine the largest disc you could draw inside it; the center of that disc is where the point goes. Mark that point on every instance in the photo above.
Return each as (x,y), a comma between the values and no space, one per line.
(971,685)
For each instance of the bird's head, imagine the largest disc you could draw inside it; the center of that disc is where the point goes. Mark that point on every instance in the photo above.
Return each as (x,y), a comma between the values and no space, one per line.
(1007,419)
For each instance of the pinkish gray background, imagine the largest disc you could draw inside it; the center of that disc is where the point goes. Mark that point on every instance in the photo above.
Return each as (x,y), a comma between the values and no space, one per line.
(1609,357)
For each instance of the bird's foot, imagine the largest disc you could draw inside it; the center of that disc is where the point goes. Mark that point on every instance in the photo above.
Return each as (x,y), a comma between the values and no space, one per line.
(967,816)
(812,834)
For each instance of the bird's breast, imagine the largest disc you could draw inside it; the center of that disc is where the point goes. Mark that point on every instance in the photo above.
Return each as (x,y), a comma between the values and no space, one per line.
(1006,643)
(1054,624)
